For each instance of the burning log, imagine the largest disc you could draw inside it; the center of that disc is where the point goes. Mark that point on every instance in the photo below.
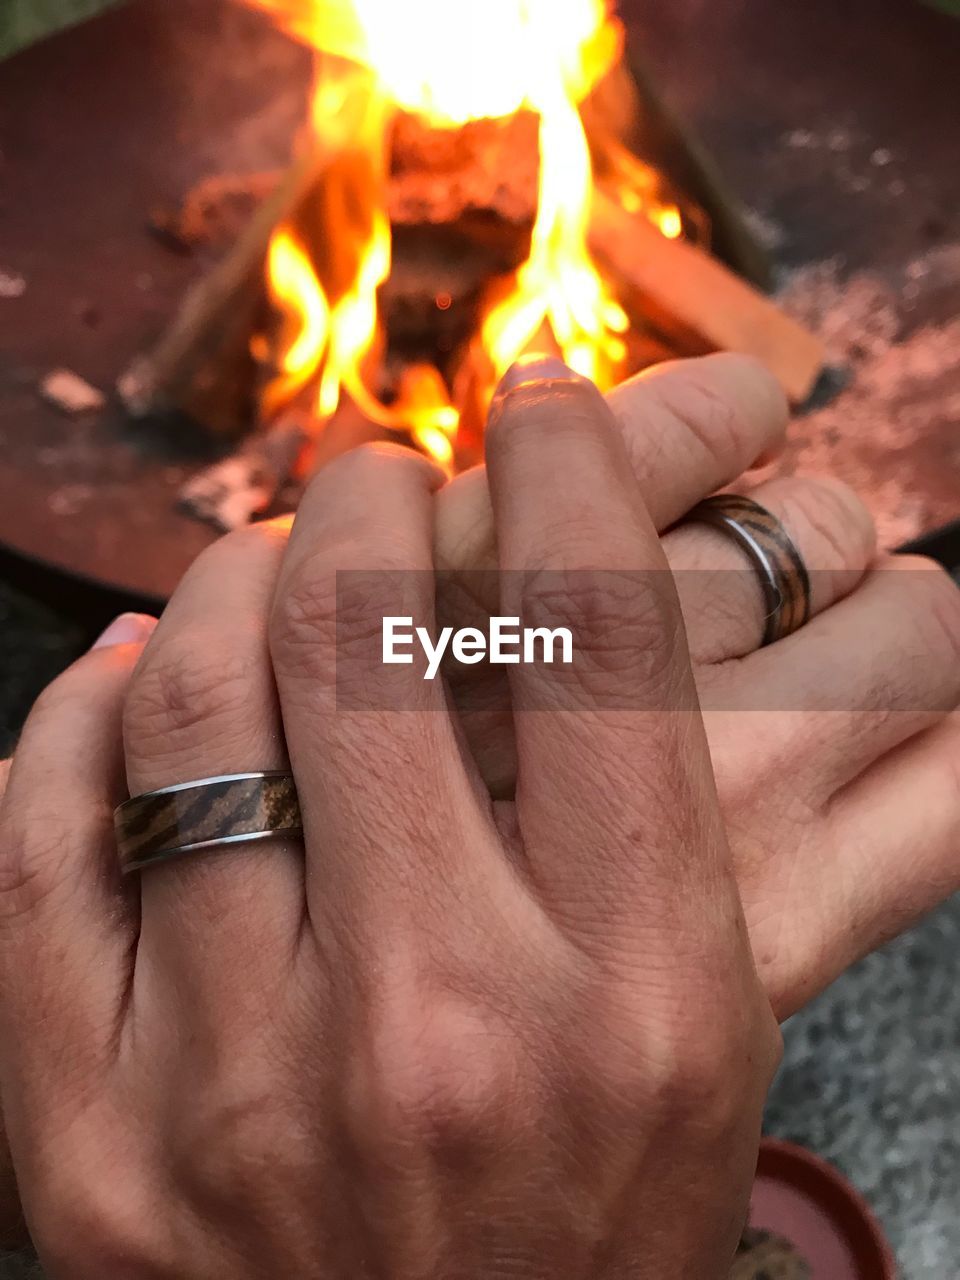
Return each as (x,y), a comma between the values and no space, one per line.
(202,365)
(481,177)
(454,231)
(215,211)
(429,231)
(436,293)
(462,204)
(698,303)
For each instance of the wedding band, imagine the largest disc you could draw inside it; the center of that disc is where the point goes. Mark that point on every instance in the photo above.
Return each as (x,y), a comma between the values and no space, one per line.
(779,565)
(197,817)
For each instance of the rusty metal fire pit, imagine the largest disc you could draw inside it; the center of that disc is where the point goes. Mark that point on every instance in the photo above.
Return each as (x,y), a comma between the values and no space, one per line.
(101,125)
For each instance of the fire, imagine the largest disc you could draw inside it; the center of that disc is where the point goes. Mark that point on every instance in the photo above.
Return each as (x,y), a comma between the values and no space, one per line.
(298,296)
(453,63)
(450,64)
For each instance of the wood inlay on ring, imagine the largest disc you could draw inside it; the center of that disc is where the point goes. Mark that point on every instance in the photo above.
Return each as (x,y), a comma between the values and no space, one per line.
(780,568)
(203,815)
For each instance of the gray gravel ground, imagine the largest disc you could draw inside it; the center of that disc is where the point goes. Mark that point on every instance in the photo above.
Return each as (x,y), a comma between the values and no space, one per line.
(36,641)
(871,1080)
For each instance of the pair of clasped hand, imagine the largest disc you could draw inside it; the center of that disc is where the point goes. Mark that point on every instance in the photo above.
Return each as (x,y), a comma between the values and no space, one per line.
(508,1008)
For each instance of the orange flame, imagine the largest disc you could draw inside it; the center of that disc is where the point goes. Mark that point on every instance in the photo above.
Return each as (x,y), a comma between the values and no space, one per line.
(297,295)
(449,64)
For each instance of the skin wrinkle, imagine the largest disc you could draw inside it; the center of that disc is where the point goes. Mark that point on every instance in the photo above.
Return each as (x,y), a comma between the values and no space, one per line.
(623,659)
(193,690)
(717,432)
(682,404)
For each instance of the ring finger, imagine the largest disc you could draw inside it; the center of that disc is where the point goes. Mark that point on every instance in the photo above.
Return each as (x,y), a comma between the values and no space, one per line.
(720,591)
(856,683)
(203,704)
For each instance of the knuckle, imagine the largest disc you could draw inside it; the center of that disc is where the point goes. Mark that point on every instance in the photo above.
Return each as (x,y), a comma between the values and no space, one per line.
(189,685)
(303,620)
(33,861)
(324,614)
(695,1054)
(710,417)
(230,1157)
(321,616)
(365,599)
(704,1076)
(432,1074)
(841,527)
(688,1078)
(626,626)
(94,1226)
(937,606)
(720,408)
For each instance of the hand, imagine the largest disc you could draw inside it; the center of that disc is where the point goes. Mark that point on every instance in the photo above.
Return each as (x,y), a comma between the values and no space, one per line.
(453,1040)
(814,901)
(816,740)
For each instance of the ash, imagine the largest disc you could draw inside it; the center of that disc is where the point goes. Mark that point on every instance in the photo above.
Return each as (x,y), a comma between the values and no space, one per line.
(887,420)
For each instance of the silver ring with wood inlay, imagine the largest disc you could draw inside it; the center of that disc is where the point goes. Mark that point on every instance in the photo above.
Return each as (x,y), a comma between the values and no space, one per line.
(783,575)
(202,816)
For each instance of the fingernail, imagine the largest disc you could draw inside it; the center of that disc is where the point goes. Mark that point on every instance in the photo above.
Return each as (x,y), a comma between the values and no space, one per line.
(535,368)
(129,628)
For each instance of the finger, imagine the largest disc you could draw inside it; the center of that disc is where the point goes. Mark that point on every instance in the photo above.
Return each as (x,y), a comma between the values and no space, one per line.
(693,426)
(614,789)
(895,859)
(66,927)
(690,427)
(876,865)
(867,675)
(720,592)
(375,754)
(203,704)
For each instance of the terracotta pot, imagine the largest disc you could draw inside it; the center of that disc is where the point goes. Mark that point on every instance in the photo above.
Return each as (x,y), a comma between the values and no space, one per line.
(800,1197)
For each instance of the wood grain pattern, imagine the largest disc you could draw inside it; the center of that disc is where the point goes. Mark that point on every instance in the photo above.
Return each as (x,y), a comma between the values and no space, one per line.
(206,814)
(780,569)
(697,303)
